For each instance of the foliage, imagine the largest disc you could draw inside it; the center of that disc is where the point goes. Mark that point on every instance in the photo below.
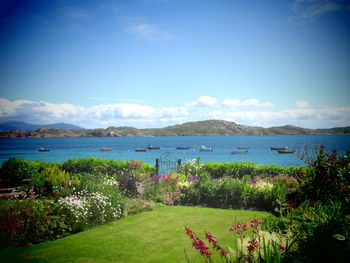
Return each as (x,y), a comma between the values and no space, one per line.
(50,182)
(317,233)
(233,193)
(330,179)
(14,170)
(166,191)
(103,166)
(240,169)
(30,221)
(136,206)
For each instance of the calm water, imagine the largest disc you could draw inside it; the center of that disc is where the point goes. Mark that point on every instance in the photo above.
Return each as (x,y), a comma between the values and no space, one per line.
(124,148)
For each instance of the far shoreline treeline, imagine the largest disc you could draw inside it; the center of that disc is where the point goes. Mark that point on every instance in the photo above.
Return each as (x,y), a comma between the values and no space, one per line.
(198,128)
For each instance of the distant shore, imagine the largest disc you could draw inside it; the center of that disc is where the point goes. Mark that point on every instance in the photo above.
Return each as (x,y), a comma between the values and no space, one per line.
(199,128)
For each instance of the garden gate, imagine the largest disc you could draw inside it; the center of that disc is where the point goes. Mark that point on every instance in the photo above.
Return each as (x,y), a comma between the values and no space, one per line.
(166,164)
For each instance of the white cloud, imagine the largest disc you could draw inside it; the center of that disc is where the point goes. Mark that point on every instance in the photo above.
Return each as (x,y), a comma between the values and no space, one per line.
(173,112)
(308,9)
(204,101)
(142,116)
(121,111)
(302,104)
(149,32)
(303,117)
(235,103)
(8,108)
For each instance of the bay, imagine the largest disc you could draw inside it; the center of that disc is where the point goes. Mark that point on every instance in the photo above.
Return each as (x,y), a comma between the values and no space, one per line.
(123,148)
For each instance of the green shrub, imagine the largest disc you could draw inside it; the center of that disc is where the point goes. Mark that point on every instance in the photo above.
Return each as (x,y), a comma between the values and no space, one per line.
(240,169)
(233,193)
(166,190)
(26,222)
(110,167)
(14,170)
(330,179)
(317,233)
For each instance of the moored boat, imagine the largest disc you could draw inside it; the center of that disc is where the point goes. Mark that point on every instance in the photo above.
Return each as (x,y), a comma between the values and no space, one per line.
(43,149)
(141,150)
(203,148)
(182,148)
(152,147)
(239,152)
(278,148)
(285,151)
(243,148)
(104,149)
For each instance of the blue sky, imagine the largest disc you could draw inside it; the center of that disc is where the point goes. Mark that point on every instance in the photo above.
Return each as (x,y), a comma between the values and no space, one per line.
(153,63)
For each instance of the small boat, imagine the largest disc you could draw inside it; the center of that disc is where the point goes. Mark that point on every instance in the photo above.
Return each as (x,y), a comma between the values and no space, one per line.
(285,151)
(243,148)
(43,149)
(239,152)
(104,149)
(141,150)
(182,148)
(278,148)
(205,149)
(152,147)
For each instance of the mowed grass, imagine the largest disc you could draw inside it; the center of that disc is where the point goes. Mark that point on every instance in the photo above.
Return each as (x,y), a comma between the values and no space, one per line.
(153,236)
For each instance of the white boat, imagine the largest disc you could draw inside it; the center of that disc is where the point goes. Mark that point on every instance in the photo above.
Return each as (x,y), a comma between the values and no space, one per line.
(203,148)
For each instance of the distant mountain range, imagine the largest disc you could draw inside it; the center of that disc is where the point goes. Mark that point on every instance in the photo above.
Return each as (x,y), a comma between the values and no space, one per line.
(19,125)
(196,128)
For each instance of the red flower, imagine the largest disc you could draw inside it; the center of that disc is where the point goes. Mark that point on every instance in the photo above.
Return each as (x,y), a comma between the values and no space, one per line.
(253,245)
(282,248)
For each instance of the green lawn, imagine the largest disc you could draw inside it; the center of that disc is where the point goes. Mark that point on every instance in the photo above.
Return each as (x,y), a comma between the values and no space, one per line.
(154,236)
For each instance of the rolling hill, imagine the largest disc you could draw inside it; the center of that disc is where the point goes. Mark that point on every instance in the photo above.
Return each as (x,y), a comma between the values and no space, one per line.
(196,128)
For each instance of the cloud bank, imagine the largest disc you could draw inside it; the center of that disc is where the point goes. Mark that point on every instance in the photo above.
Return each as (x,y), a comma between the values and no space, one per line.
(247,112)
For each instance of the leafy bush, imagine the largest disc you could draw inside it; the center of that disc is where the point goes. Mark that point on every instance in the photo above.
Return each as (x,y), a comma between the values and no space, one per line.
(233,193)
(110,167)
(50,182)
(330,179)
(14,170)
(166,191)
(240,169)
(30,221)
(317,233)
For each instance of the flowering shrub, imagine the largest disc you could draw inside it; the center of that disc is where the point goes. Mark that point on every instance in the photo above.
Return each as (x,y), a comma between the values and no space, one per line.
(166,190)
(193,168)
(76,211)
(30,221)
(286,181)
(88,209)
(135,206)
(330,180)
